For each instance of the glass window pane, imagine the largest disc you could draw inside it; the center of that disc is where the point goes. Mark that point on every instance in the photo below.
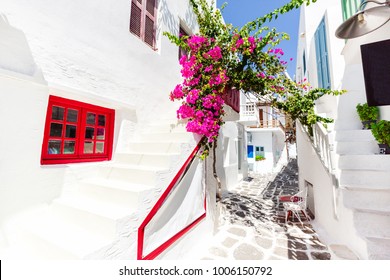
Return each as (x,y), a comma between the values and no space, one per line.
(55,130)
(72,115)
(89,131)
(100,134)
(102,120)
(91,118)
(99,147)
(88,147)
(69,147)
(57,113)
(54,147)
(70,131)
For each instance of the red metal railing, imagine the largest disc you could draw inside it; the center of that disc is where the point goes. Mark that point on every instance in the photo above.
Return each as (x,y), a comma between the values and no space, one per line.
(141,230)
(232,98)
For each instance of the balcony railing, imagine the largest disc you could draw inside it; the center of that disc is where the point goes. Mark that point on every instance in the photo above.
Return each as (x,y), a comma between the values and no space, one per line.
(248,110)
(324,145)
(232,98)
(269,124)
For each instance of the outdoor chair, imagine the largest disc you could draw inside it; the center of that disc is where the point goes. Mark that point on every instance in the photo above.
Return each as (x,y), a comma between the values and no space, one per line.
(296,205)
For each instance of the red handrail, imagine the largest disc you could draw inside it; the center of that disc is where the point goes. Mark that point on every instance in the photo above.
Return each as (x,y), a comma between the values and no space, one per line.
(141,230)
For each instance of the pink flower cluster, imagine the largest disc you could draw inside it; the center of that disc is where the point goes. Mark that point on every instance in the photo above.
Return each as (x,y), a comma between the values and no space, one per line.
(196,42)
(218,78)
(244,44)
(215,54)
(201,95)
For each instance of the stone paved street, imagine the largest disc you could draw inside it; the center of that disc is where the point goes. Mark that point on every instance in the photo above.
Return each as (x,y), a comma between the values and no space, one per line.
(252,224)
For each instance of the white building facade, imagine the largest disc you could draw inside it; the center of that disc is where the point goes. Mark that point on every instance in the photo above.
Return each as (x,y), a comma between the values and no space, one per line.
(348,179)
(92,142)
(266,150)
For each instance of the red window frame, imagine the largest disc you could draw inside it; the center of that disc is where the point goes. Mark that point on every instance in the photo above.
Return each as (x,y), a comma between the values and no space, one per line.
(143,18)
(77,132)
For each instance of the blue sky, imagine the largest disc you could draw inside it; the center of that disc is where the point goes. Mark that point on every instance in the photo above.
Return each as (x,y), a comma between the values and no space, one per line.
(239,12)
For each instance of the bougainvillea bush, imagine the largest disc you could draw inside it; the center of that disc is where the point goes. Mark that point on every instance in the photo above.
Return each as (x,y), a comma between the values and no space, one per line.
(221,57)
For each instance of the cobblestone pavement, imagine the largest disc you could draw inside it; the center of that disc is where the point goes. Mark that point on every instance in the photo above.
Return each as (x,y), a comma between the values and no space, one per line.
(252,224)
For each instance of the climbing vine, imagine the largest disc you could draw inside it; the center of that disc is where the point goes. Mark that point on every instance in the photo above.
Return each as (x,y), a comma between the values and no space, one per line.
(221,57)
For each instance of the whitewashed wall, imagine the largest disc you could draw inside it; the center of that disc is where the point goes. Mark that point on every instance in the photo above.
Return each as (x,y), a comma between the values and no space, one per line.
(79,50)
(332,219)
(87,45)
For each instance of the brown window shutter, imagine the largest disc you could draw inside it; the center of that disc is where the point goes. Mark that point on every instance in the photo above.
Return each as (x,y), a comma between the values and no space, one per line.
(135,19)
(143,20)
(150,20)
(149,31)
(150,7)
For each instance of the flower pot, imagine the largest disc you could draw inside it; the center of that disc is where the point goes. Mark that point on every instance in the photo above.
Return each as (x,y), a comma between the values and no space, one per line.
(384,149)
(367,124)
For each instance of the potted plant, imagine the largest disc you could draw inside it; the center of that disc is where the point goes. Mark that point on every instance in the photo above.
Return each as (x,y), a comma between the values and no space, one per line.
(367,114)
(381,132)
(259,158)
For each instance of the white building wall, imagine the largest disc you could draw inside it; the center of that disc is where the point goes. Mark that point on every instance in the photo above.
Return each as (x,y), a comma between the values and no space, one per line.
(263,139)
(87,45)
(332,219)
(345,65)
(353,75)
(80,50)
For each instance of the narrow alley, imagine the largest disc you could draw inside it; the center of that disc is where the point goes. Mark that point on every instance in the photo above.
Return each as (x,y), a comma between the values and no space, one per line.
(252,224)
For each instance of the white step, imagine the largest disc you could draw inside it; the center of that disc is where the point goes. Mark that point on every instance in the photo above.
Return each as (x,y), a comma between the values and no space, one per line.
(357,147)
(45,236)
(372,223)
(354,135)
(378,248)
(121,193)
(348,124)
(176,137)
(144,175)
(372,199)
(159,160)
(155,147)
(365,162)
(91,214)
(365,178)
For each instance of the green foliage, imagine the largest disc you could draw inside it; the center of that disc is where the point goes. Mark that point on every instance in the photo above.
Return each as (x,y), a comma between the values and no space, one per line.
(293,4)
(367,113)
(381,131)
(250,61)
(299,104)
(259,158)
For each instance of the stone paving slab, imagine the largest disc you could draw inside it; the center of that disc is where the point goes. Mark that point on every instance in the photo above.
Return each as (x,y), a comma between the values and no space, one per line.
(252,224)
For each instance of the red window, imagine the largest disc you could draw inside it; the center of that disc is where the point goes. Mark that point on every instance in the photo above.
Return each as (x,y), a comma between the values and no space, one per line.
(143,20)
(77,132)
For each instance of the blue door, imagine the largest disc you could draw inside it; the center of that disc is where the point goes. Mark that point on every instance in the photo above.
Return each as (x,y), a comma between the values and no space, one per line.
(250,151)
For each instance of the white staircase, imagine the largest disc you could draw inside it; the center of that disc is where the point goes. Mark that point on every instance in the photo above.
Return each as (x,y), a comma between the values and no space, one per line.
(98,217)
(364,178)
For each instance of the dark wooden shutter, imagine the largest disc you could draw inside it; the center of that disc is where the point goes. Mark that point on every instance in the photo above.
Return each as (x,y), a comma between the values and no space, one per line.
(136,17)
(150,32)
(143,20)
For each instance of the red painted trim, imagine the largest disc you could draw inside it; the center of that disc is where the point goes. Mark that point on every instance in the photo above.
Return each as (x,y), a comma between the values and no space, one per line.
(80,124)
(157,206)
(173,239)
